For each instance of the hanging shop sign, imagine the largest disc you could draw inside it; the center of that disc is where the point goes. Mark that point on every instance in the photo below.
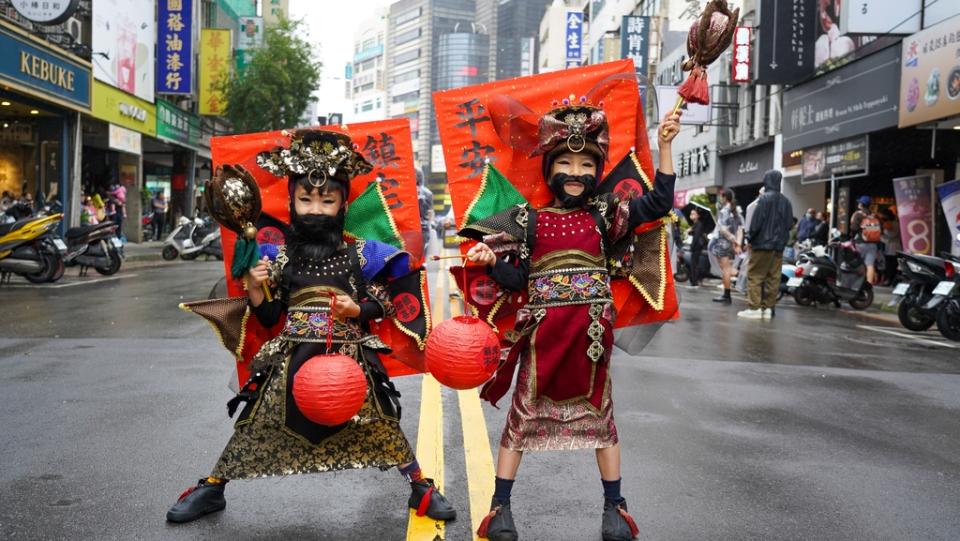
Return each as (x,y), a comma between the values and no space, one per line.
(855,99)
(785,44)
(930,75)
(176,125)
(692,113)
(123,109)
(124,38)
(915,212)
(48,12)
(250,34)
(35,68)
(214,69)
(849,158)
(635,41)
(574,38)
(881,16)
(124,140)
(175,47)
(748,166)
(740,67)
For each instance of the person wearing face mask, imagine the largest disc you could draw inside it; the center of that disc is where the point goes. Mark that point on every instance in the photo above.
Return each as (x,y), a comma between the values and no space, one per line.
(316,276)
(562,398)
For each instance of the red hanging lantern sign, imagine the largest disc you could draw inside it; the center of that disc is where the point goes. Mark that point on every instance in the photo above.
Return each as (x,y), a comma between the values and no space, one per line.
(329,389)
(463,352)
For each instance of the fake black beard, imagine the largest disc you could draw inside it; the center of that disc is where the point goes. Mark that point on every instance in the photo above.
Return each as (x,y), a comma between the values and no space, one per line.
(568,201)
(315,236)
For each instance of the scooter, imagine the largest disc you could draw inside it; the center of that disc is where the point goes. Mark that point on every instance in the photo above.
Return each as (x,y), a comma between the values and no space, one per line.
(921,274)
(947,297)
(95,246)
(193,238)
(833,274)
(29,248)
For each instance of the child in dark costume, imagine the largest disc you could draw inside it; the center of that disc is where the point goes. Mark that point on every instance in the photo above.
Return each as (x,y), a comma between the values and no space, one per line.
(272,437)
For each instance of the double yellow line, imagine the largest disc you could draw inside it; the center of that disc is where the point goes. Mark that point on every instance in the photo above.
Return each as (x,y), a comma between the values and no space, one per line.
(478,457)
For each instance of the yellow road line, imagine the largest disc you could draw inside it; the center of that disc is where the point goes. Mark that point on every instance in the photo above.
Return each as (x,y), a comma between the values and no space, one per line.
(430,439)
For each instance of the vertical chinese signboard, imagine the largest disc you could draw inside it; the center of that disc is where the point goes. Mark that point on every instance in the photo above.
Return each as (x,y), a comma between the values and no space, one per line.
(174,46)
(574,38)
(634,41)
(214,68)
(741,55)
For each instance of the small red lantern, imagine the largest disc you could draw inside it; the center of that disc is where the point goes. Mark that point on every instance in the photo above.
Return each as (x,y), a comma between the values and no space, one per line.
(329,389)
(462,352)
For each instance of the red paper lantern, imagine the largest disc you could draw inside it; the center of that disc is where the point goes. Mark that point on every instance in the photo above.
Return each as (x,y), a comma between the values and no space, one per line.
(329,389)
(462,352)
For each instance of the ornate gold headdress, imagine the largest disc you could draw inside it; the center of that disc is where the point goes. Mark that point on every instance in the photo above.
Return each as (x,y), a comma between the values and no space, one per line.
(319,154)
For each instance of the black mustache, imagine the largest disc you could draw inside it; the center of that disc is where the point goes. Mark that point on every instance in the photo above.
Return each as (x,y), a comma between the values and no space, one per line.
(316,236)
(569,201)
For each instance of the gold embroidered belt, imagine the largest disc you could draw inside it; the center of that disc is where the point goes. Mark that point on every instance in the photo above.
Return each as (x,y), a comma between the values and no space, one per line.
(562,287)
(311,324)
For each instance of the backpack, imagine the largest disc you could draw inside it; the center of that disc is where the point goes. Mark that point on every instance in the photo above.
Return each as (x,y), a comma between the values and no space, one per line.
(870,229)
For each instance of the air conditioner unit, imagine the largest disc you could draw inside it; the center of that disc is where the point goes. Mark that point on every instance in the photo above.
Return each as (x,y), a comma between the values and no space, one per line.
(74,27)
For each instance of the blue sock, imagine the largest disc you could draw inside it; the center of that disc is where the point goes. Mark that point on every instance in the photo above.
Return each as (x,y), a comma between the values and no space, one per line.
(412,472)
(611,490)
(501,489)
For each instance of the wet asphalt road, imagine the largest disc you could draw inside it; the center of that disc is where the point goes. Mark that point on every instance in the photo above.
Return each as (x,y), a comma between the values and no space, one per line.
(813,426)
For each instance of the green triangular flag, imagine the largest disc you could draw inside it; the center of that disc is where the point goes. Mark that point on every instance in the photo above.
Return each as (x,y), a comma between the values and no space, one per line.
(369,218)
(496,194)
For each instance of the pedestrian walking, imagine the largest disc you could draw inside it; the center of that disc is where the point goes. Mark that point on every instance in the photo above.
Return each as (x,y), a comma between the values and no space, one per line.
(698,241)
(118,198)
(808,225)
(425,203)
(745,262)
(867,232)
(327,292)
(821,235)
(726,245)
(159,206)
(561,252)
(768,235)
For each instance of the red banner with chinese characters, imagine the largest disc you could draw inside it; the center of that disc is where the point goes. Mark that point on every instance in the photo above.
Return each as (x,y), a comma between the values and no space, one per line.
(470,140)
(385,144)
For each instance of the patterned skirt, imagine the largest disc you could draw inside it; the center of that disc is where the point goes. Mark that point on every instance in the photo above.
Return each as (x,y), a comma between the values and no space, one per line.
(263,444)
(541,424)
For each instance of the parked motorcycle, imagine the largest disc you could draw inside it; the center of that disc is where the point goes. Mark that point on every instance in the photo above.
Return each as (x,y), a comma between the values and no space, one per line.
(95,246)
(947,296)
(833,274)
(29,248)
(921,274)
(193,238)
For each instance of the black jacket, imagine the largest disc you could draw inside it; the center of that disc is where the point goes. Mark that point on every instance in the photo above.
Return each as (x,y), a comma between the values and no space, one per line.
(699,238)
(773,217)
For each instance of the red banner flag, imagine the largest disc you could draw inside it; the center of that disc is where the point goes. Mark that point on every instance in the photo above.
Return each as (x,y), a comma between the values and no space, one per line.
(385,144)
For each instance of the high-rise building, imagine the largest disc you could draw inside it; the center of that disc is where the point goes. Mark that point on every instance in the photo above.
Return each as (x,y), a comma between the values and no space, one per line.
(414,30)
(367,86)
(552,50)
(515,37)
(274,9)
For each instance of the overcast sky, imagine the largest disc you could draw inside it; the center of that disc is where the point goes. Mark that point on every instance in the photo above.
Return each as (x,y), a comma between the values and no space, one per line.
(331,25)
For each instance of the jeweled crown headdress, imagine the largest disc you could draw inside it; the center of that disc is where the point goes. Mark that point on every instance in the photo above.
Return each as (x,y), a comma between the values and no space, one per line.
(319,154)
(573,125)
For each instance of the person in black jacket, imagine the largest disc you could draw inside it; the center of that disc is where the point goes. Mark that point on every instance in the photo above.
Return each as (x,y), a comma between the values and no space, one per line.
(697,243)
(768,235)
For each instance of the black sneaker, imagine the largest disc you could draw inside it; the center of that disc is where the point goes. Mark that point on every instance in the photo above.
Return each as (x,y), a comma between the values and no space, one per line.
(617,524)
(498,525)
(196,501)
(724,299)
(427,500)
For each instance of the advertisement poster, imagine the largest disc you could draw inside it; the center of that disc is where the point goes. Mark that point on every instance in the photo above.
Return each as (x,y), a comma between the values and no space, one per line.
(930,74)
(835,44)
(950,201)
(175,47)
(214,69)
(251,33)
(915,210)
(124,34)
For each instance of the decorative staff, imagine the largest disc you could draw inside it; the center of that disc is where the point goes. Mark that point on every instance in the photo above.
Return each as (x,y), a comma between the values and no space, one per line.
(233,198)
(709,36)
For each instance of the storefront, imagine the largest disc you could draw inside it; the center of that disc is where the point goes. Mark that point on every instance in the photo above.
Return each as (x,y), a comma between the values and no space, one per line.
(695,163)
(180,129)
(113,148)
(43,90)
(743,171)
